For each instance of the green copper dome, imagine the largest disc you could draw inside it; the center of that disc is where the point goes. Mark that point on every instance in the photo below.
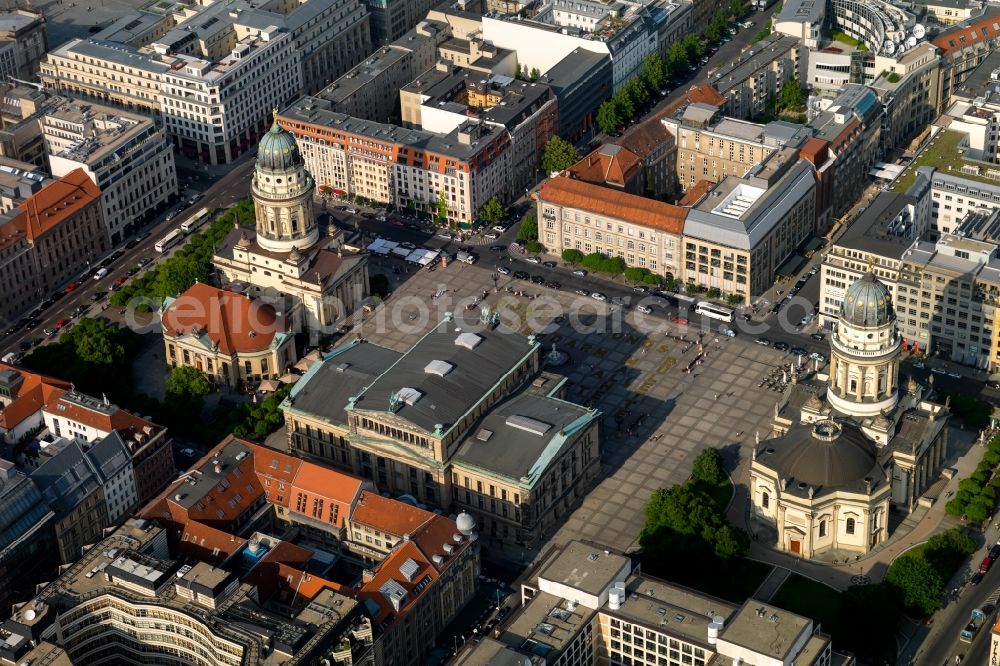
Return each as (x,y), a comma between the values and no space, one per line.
(277,149)
(867,303)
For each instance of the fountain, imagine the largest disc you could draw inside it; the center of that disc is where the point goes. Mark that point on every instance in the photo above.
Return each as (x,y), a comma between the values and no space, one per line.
(556,358)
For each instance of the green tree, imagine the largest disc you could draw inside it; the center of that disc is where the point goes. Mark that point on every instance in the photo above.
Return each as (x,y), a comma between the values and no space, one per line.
(730,542)
(593,261)
(442,208)
(653,71)
(493,210)
(96,342)
(609,116)
(613,265)
(572,256)
(652,279)
(694,47)
(627,107)
(186,391)
(636,91)
(737,9)
(517,72)
(677,58)
(979,510)
(534,247)
(635,274)
(558,155)
(792,96)
(379,284)
(707,468)
(529,228)
(535,74)
(971,486)
(919,584)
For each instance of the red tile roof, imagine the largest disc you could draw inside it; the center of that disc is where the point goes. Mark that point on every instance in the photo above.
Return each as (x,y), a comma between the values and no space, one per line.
(609,164)
(389,515)
(969,34)
(232,321)
(815,150)
(389,570)
(35,390)
(200,541)
(50,206)
(118,419)
(566,191)
(694,195)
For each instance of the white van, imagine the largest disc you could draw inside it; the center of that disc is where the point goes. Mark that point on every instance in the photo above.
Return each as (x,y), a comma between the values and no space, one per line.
(466,257)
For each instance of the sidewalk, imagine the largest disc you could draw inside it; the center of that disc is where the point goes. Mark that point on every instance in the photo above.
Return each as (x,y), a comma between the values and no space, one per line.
(915,529)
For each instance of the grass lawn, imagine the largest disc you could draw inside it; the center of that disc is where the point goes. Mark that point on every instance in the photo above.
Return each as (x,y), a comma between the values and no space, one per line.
(816,600)
(944,155)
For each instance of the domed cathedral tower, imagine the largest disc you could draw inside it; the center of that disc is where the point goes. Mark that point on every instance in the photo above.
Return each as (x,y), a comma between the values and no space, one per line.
(865,350)
(283,194)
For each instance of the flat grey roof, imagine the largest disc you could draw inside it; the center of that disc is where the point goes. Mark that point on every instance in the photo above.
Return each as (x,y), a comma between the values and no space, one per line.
(120,54)
(545,626)
(765,629)
(980,83)
(747,231)
(870,231)
(757,56)
(498,446)
(802,11)
(568,72)
(586,567)
(445,399)
(345,372)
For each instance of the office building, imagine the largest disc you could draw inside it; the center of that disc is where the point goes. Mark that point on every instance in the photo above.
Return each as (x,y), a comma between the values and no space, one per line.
(22,393)
(909,89)
(575,214)
(282,528)
(409,169)
(312,281)
(711,146)
(213,77)
(229,337)
(390,19)
(50,237)
(738,236)
(442,99)
(421,423)
(584,605)
(880,235)
(23,44)
(125,154)
(756,76)
(964,47)
(944,12)
(581,82)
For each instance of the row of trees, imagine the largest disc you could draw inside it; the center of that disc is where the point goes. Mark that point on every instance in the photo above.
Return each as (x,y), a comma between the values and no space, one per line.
(977,494)
(192,263)
(528,232)
(918,577)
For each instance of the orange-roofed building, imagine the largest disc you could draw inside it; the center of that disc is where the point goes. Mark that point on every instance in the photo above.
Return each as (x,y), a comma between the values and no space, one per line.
(378,523)
(613,166)
(48,239)
(574,214)
(23,394)
(229,337)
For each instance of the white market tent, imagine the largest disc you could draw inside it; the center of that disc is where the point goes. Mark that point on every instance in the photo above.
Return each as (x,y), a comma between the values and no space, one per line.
(422,256)
(382,246)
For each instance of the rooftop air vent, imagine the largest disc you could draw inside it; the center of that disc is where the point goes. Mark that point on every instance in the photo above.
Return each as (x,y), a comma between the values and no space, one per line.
(528,424)
(468,340)
(439,368)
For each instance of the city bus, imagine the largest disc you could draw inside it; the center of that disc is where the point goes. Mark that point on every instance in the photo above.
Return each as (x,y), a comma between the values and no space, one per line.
(195,220)
(168,240)
(714,311)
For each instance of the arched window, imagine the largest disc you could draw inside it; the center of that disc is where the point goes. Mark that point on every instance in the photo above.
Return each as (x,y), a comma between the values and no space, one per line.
(765,500)
(822,528)
(850,526)
(854,384)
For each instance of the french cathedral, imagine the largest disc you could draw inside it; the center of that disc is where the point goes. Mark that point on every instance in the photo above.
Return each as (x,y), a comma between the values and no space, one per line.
(849,445)
(313,281)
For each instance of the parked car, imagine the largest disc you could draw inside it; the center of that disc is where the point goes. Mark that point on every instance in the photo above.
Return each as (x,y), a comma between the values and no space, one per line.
(677,319)
(580,272)
(552,284)
(549,264)
(497,248)
(71,287)
(984,566)
(499,228)
(819,337)
(351,211)
(977,578)
(537,279)
(61,323)
(533,260)
(598,296)
(798,351)
(492,235)
(644,309)
(503,270)
(781,346)
(143,262)
(521,275)
(816,356)
(763,342)
(994,552)
(639,289)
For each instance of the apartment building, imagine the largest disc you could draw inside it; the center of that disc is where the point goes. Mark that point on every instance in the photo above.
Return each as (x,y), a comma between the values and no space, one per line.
(28,551)
(23,43)
(407,168)
(212,75)
(909,89)
(752,79)
(442,99)
(584,604)
(125,154)
(965,46)
(711,146)
(49,238)
(580,81)
(975,111)
(283,527)
(390,19)
(737,237)
(876,240)
(20,138)
(590,218)
(843,149)
(229,337)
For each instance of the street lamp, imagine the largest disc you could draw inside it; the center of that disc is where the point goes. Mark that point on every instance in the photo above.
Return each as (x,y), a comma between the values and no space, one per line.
(496,278)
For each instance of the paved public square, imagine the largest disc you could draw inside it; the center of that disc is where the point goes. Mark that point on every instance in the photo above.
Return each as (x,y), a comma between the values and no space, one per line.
(657,417)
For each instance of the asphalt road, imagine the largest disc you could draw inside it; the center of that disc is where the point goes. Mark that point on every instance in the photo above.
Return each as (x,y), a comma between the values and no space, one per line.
(941,642)
(228,189)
